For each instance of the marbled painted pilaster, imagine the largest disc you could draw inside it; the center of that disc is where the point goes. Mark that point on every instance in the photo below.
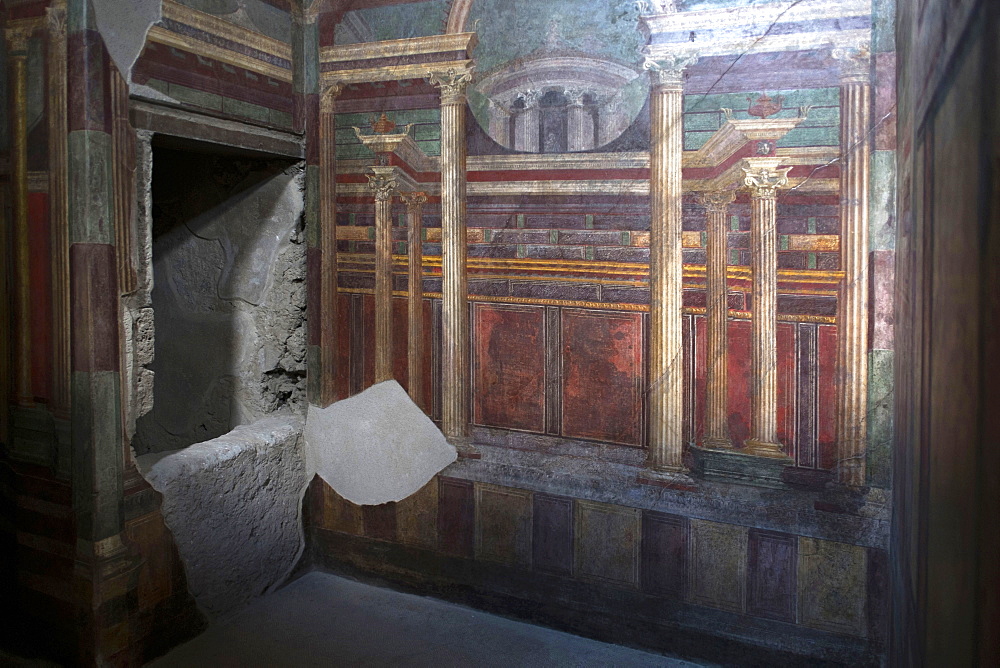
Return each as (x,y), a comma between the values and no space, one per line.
(716,312)
(852,307)
(764,178)
(666,377)
(415,299)
(454,287)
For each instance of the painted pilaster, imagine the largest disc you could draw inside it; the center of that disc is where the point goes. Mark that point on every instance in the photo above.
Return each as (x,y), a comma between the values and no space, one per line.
(328,307)
(666,367)
(580,125)
(17,43)
(415,299)
(764,178)
(716,314)
(454,288)
(499,123)
(526,122)
(852,307)
(383,183)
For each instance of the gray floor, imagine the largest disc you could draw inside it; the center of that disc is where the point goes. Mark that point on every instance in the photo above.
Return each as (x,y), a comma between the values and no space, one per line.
(325,620)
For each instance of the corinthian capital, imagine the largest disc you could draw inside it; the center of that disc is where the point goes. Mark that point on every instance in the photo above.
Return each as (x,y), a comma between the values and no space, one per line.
(18,33)
(531,97)
(764,180)
(413,200)
(717,200)
(382,182)
(452,84)
(668,69)
(57,19)
(855,63)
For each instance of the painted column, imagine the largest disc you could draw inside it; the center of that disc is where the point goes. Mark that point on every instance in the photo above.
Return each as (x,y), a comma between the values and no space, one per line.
(17,43)
(580,125)
(716,314)
(666,366)
(455,380)
(415,284)
(763,178)
(852,307)
(382,182)
(499,123)
(328,307)
(526,122)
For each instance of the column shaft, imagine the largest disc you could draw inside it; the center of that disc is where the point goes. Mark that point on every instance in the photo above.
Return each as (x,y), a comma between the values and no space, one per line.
(763,397)
(19,186)
(852,313)
(328,347)
(716,314)
(415,306)
(383,184)
(666,389)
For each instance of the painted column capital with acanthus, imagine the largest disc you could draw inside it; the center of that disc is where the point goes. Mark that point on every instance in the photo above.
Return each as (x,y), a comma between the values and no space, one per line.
(452,83)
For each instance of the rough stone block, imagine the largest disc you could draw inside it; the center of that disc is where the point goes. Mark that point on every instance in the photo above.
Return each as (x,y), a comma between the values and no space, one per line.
(233,506)
(503,525)
(717,565)
(832,578)
(376,447)
(607,543)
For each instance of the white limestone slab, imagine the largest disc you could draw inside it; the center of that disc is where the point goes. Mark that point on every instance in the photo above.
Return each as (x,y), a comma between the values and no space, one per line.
(375,447)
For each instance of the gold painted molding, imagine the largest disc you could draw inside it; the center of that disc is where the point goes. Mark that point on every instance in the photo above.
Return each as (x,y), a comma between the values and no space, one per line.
(390,72)
(395,48)
(175,11)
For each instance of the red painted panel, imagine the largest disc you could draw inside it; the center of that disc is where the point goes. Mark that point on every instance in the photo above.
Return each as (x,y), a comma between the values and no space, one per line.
(314,263)
(785,336)
(40,270)
(94,307)
(368,349)
(428,373)
(509,359)
(739,381)
(400,340)
(827,396)
(343,386)
(700,380)
(602,375)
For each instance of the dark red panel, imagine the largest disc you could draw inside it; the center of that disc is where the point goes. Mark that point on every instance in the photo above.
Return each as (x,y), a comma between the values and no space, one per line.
(428,373)
(94,307)
(664,553)
(878,597)
(509,383)
(771,583)
(380,521)
(88,90)
(827,396)
(738,397)
(400,342)
(343,386)
(368,327)
(314,259)
(552,534)
(40,294)
(456,517)
(785,336)
(700,379)
(602,375)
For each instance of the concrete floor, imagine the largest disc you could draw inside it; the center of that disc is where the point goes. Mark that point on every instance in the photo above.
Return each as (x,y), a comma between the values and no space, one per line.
(326,620)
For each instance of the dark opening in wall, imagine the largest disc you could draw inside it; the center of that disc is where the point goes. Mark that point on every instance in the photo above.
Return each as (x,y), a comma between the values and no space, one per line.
(228,296)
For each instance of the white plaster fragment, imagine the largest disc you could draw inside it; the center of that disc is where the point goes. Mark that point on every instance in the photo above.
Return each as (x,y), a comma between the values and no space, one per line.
(124,29)
(375,447)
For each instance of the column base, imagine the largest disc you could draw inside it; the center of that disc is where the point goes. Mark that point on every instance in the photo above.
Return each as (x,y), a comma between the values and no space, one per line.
(740,466)
(673,478)
(716,444)
(766,449)
(466,450)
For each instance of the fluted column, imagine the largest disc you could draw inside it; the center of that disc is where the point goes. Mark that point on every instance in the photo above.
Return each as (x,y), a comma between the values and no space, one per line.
(763,178)
(716,313)
(580,126)
(17,43)
(666,375)
(382,182)
(328,347)
(499,123)
(415,284)
(454,289)
(852,307)
(526,122)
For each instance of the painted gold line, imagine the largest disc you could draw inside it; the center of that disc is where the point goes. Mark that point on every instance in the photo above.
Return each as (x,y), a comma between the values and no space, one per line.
(166,37)
(214,25)
(394,48)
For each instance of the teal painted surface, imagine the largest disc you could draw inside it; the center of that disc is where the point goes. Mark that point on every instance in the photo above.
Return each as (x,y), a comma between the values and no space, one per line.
(426,131)
(255,15)
(703,115)
(90,196)
(416,19)
(36,81)
(882,201)
(880,413)
(312,206)
(97,454)
(883,26)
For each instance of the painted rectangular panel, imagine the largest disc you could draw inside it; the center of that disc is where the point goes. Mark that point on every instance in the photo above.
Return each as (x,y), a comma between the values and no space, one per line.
(368,341)
(717,565)
(607,542)
(94,312)
(400,334)
(380,521)
(771,586)
(40,294)
(738,400)
(553,371)
(552,534)
(602,375)
(805,407)
(689,361)
(456,517)
(826,413)
(664,553)
(509,367)
(878,597)
(700,381)
(785,343)
(416,516)
(832,586)
(503,525)
(343,352)
(427,377)
(339,514)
